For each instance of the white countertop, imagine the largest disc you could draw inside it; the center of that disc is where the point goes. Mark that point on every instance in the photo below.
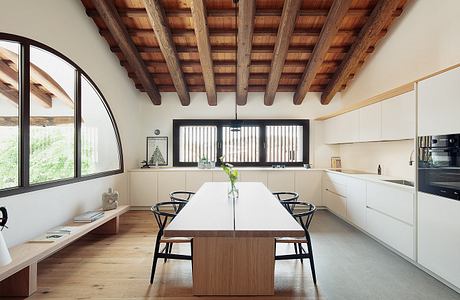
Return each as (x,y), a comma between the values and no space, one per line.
(364,176)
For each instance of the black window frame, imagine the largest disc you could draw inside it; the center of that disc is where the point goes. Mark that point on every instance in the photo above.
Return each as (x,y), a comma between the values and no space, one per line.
(262,123)
(24,185)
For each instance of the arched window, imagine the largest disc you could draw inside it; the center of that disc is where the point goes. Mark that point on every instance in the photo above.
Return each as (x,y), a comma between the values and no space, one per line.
(55,125)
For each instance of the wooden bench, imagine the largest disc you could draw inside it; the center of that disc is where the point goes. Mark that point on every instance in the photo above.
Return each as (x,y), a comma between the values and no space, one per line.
(19,278)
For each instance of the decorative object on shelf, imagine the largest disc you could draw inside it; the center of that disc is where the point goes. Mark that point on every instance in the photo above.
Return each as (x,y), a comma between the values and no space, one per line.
(110,199)
(204,163)
(157,132)
(307,166)
(157,151)
(5,257)
(336,162)
(379,170)
(233,192)
(145,164)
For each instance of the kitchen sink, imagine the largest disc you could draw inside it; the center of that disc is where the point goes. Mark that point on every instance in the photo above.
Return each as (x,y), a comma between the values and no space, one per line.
(400,181)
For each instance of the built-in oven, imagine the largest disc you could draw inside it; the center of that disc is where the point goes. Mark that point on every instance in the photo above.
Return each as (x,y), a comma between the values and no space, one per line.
(439,165)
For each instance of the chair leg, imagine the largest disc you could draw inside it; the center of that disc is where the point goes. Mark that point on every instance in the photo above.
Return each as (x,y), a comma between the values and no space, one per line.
(166,251)
(312,263)
(295,249)
(300,252)
(155,257)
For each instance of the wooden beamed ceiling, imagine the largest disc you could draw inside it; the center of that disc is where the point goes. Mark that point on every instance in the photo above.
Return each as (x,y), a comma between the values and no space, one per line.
(295,46)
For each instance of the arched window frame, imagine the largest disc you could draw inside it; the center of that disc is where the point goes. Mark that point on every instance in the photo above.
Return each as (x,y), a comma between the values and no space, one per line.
(24,116)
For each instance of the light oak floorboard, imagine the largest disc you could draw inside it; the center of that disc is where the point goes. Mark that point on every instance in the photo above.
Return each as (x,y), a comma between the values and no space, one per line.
(349,265)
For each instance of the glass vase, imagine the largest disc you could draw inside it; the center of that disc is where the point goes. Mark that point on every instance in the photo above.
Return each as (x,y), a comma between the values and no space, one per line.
(233,192)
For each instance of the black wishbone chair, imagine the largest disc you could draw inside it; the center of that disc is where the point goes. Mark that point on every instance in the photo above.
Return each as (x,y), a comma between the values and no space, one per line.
(303,214)
(182,197)
(164,212)
(286,197)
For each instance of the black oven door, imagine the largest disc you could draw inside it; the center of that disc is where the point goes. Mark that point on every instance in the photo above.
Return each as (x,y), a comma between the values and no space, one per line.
(439,171)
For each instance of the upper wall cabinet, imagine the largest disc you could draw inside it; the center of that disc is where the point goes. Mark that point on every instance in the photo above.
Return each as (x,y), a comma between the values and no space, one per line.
(398,117)
(439,104)
(391,119)
(370,123)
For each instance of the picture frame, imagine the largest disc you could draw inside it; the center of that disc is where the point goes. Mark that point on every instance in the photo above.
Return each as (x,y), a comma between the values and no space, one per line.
(157,150)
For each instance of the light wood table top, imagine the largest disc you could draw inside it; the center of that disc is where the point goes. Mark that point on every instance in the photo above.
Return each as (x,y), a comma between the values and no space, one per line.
(256,213)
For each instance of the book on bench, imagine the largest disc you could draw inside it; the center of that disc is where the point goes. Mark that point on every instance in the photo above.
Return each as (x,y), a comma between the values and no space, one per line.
(88,217)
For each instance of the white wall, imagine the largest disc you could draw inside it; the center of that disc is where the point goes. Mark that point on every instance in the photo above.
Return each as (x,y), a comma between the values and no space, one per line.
(160,117)
(64,26)
(392,156)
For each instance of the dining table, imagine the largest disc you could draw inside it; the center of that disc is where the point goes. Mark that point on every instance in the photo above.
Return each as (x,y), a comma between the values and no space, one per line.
(233,238)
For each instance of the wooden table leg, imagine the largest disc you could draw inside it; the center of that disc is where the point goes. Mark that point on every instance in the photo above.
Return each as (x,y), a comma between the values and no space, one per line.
(109,227)
(233,266)
(21,284)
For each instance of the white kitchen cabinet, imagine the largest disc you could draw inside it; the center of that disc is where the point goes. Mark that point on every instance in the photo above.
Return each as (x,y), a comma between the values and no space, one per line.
(253,176)
(439,236)
(335,193)
(195,179)
(342,128)
(356,202)
(370,122)
(219,176)
(308,185)
(393,201)
(169,182)
(337,203)
(143,188)
(398,117)
(391,231)
(280,181)
(438,104)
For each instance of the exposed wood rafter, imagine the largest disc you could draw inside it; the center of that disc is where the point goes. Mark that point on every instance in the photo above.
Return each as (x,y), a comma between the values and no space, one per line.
(246,13)
(336,14)
(39,121)
(204,49)
(285,29)
(109,14)
(10,76)
(9,92)
(368,36)
(160,26)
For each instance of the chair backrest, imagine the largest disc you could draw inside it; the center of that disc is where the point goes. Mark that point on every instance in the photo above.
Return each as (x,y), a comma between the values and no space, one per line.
(181,198)
(286,196)
(302,212)
(181,195)
(164,212)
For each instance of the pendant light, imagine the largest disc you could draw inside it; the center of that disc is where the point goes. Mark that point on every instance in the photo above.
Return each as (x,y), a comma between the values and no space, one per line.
(235,125)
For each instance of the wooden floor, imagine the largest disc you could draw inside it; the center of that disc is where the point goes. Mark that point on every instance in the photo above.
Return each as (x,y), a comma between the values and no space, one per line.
(118,267)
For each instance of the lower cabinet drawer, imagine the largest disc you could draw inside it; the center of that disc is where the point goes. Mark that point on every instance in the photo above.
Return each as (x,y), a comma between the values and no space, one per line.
(394,233)
(336,203)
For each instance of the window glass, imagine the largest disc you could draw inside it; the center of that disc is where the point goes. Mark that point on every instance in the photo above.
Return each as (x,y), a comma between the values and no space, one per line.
(52,130)
(241,145)
(284,143)
(9,114)
(197,142)
(99,146)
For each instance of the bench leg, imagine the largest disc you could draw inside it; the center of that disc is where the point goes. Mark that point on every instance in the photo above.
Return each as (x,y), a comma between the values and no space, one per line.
(21,284)
(110,227)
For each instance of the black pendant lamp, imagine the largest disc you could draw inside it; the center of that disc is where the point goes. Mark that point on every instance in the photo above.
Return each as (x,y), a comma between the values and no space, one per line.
(235,125)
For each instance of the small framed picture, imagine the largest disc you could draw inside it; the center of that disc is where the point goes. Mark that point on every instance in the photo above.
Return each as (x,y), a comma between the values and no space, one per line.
(157,151)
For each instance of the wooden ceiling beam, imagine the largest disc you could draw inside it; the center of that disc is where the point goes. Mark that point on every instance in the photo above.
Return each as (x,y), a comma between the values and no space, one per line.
(204,49)
(38,121)
(39,76)
(232,49)
(10,93)
(231,88)
(10,76)
(170,13)
(285,29)
(329,31)
(246,12)
(368,36)
(260,76)
(114,23)
(160,26)
(262,32)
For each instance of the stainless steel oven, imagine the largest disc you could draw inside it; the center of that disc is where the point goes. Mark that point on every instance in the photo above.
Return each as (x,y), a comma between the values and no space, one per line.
(439,165)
